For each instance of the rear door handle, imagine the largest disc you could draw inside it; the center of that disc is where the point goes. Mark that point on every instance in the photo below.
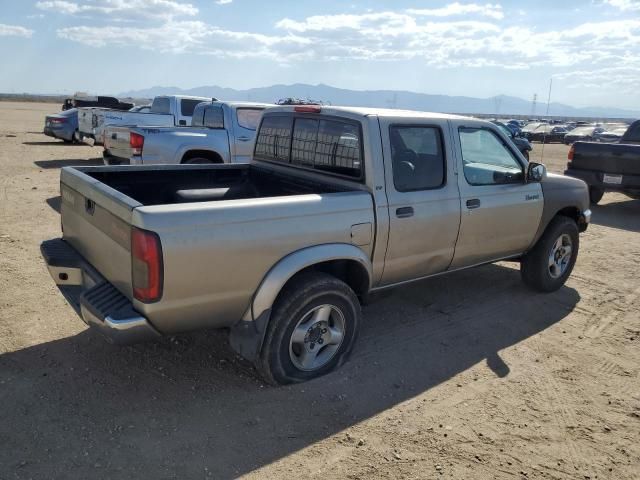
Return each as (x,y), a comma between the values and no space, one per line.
(243,139)
(404,212)
(473,203)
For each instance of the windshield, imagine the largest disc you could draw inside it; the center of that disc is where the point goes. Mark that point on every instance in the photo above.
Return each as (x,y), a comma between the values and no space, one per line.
(504,129)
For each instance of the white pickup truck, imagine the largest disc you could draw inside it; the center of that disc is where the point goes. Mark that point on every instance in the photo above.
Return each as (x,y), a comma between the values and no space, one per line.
(166,110)
(221,132)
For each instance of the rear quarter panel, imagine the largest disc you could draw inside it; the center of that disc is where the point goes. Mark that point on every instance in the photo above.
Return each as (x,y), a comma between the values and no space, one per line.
(164,146)
(217,253)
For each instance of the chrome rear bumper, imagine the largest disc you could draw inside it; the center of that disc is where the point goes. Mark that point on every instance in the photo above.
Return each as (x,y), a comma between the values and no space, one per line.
(99,304)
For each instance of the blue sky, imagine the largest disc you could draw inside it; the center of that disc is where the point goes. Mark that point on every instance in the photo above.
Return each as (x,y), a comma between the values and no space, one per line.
(591,48)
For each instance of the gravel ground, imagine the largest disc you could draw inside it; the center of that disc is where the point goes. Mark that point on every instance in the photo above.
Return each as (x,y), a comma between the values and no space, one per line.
(464,376)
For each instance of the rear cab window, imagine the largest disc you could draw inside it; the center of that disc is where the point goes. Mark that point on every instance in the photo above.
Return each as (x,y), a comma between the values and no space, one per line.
(160,105)
(332,145)
(187,106)
(633,133)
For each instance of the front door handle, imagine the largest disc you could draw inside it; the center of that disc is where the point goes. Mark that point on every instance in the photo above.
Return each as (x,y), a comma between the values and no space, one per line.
(404,212)
(473,203)
(243,139)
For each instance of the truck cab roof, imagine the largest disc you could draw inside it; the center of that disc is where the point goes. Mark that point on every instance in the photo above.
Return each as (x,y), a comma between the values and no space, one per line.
(364,111)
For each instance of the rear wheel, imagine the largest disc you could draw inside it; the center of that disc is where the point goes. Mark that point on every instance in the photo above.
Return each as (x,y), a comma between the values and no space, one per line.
(313,327)
(595,194)
(548,265)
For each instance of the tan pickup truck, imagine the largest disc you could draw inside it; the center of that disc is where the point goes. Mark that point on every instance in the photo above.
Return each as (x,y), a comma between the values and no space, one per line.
(336,203)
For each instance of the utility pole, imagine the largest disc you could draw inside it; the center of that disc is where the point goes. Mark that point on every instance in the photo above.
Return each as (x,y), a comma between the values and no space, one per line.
(533,105)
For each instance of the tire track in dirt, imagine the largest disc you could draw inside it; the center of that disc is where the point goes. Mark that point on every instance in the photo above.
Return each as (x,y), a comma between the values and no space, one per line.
(626,304)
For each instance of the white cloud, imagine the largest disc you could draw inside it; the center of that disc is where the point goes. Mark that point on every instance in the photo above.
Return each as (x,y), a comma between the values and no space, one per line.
(191,37)
(486,10)
(14,31)
(122,9)
(624,5)
(223,2)
(430,40)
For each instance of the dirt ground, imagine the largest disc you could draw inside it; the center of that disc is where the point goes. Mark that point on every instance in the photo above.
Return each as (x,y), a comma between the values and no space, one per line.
(467,376)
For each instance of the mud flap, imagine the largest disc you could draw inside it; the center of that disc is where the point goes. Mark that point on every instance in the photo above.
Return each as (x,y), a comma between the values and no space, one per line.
(246,337)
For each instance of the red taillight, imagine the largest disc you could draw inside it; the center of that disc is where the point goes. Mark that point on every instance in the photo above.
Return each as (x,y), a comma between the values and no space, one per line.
(136,142)
(146,265)
(572,150)
(58,120)
(307,109)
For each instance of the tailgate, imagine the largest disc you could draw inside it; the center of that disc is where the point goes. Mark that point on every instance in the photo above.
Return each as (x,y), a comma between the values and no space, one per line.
(607,157)
(116,141)
(96,221)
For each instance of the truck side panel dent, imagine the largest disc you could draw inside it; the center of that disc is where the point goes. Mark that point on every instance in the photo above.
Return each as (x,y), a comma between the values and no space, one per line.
(246,336)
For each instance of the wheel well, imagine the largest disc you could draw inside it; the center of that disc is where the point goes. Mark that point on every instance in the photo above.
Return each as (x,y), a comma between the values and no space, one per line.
(213,156)
(574,214)
(571,212)
(350,272)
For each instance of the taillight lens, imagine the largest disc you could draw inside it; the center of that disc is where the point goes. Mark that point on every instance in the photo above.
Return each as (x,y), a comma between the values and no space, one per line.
(136,141)
(58,120)
(146,265)
(572,150)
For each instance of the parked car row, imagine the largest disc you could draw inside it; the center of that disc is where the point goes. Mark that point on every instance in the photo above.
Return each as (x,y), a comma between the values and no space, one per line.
(573,132)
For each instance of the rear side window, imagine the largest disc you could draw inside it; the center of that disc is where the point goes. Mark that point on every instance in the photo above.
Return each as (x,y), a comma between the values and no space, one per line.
(249,118)
(187,106)
(160,105)
(417,158)
(274,139)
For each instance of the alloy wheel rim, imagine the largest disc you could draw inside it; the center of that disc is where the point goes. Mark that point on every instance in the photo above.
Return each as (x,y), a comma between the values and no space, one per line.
(317,337)
(560,256)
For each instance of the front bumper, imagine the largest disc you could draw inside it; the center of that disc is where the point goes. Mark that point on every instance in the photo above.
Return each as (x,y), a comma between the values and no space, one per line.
(99,304)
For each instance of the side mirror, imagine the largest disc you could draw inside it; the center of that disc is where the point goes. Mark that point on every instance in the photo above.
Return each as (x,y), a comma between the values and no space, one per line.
(536,172)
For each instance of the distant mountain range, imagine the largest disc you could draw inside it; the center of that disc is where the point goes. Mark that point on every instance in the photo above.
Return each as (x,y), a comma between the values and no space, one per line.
(500,105)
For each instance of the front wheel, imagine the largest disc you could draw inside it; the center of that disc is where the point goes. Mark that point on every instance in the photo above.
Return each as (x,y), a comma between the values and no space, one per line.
(313,327)
(548,265)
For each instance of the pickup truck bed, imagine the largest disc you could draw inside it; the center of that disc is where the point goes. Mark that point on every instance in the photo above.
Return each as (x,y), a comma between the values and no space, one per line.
(192,208)
(195,184)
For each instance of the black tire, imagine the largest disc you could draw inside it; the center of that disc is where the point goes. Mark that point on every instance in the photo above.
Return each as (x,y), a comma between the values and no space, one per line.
(535,267)
(304,293)
(595,194)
